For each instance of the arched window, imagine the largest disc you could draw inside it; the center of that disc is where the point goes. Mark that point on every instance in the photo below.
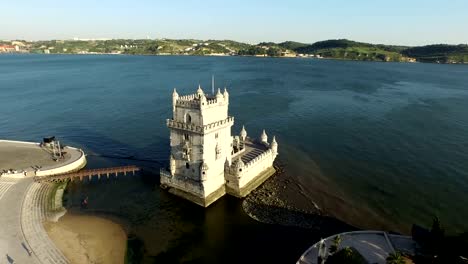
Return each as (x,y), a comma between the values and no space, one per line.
(188,118)
(187,165)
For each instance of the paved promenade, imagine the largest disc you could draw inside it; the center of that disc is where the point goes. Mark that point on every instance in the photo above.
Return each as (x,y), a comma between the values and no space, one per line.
(23,208)
(35,211)
(11,235)
(374,246)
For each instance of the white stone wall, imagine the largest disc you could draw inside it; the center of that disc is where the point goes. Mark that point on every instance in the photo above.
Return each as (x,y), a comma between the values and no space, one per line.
(214,112)
(250,170)
(256,166)
(73,166)
(180,183)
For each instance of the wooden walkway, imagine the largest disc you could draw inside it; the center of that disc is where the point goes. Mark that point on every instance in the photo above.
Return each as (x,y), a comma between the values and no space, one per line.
(88,173)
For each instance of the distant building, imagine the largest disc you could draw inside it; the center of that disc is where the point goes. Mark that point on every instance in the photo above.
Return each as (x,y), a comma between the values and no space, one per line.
(7,48)
(206,161)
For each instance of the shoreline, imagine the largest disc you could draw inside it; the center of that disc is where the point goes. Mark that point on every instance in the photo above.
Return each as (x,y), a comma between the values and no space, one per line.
(249,56)
(266,205)
(84,238)
(88,239)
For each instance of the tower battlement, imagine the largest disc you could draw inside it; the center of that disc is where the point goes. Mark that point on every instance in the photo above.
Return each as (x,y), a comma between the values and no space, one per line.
(201,165)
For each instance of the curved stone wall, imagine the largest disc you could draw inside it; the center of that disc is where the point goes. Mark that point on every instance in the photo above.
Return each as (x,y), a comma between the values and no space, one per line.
(70,167)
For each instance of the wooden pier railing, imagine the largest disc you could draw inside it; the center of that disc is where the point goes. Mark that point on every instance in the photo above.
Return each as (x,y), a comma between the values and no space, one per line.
(88,173)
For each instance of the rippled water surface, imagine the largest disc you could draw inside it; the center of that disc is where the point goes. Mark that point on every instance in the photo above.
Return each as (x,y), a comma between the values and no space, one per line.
(390,138)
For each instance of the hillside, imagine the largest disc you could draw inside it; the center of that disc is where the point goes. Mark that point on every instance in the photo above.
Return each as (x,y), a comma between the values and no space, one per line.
(352,50)
(439,53)
(333,49)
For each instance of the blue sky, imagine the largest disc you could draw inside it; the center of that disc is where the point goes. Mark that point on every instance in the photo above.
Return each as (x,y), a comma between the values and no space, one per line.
(404,22)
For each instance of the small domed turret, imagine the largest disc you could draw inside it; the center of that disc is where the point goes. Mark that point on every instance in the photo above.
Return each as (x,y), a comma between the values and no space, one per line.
(175,97)
(219,96)
(274,146)
(243,134)
(172,164)
(264,137)
(238,165)
(202,99)
(200,91)
(203,170)
(226,95)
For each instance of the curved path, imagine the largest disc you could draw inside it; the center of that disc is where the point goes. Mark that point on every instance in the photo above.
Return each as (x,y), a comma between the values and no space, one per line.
(11,235)
(374,246)
(35,211)
(23,208)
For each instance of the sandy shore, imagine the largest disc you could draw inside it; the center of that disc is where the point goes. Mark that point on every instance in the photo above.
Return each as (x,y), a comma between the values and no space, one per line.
(88,239)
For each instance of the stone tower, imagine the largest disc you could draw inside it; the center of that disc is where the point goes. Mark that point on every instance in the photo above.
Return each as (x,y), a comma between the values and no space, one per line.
(200,140)
(206,161)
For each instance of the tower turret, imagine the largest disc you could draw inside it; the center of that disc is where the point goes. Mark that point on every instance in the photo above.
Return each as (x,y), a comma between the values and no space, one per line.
(172,165)
(243,134)
(175,97)
(274,146)
(202,99)
(226,95)
(219,96)
(238,165)
(264,137)
(200,91)
(203,170)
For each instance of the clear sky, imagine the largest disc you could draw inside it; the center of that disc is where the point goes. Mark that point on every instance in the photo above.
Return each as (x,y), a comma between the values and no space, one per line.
(406,22)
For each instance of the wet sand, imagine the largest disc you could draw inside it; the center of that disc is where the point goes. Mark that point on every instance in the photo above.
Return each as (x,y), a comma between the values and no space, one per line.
(88,239)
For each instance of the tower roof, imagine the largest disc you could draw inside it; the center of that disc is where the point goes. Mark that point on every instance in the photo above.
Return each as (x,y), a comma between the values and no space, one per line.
(264,136)
(243,132)
(200,91)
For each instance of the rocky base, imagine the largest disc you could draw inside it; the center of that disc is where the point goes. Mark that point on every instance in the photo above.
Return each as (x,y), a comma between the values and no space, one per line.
(279,201)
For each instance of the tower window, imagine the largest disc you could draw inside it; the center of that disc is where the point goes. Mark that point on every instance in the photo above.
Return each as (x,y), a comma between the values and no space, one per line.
(216,135)
(186,137)
(188,119)
(187,165)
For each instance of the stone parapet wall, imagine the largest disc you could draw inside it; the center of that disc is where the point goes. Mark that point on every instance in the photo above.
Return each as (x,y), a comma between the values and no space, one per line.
(200,129)
(70,167)
(187,185)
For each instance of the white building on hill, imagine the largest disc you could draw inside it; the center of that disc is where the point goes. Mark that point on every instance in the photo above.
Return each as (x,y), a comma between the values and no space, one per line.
(206,161)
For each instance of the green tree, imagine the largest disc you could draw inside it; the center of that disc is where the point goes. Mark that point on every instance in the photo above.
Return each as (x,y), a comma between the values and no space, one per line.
(346,255)
(336,244)
(395,258)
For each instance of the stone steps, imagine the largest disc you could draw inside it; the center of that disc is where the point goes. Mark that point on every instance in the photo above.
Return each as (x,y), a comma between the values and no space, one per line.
(5,185)
(34,213)
(251,155)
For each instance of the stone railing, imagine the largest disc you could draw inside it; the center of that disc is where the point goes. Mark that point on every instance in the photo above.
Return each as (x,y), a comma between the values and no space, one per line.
(199,129)
(258,158)
(181,125)
(75,165)
(189,103)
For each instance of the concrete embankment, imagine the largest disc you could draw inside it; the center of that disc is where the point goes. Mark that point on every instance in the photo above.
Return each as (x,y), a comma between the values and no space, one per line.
(21,159)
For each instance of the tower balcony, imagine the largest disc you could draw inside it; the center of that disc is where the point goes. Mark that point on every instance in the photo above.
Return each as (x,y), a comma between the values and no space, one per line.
(200,129)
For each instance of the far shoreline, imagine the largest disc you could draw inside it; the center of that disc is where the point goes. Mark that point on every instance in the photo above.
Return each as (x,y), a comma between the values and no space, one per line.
(246,56)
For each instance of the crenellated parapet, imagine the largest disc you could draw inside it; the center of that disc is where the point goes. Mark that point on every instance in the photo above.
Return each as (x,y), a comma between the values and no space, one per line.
(216,125)
(200,100)
(200,129)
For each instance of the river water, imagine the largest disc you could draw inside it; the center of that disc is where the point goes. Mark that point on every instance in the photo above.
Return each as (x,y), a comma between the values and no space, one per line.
(377,145)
